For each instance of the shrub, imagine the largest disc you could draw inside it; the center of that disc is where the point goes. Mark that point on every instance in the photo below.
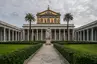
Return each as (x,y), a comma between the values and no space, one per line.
(18,57)
(85,58)
(74,42)
(67,53)
(75,57)
(22,42)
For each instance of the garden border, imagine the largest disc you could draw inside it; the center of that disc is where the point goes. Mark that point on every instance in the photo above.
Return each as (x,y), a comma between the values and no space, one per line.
(64,60)
(27,60)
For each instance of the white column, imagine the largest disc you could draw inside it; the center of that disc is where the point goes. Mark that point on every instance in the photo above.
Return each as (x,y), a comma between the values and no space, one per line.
(37,34)
(72,34)
(87,35)
(91,34)
(28,34)
(51,34)
(55,34)
(32,34)
(59,34)
(4,34)
(12,35)
(1,35)
(68,34)
(80,35)
(95,35)
(83,35)
(21,33)
(41,34)
(9,35)
(75,36)
(64,34)
(15,35)
(24,34)
(18,36)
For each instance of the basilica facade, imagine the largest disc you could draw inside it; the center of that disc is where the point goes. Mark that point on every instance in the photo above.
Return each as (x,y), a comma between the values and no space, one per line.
(48,19)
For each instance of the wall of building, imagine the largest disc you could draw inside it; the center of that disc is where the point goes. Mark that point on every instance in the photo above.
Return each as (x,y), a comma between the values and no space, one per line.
(55,35)
(58,32)
(87,32)
(9,32)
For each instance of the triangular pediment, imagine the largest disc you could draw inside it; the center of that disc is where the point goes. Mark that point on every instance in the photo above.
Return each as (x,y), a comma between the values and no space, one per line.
(48,12)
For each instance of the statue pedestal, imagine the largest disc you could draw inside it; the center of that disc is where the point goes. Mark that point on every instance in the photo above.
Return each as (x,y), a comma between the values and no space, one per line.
(48,42)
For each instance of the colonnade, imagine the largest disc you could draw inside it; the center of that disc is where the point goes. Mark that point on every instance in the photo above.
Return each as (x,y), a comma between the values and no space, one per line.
(89,34)
(40,34)
(8,34)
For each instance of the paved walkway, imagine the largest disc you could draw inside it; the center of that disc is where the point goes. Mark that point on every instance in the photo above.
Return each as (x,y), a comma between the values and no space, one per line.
(47,55)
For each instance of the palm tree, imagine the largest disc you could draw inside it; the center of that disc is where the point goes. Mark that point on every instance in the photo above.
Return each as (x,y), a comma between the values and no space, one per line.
(29,17)
(67,18)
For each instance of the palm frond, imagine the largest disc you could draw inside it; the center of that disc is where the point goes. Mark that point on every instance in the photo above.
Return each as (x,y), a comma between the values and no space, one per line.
(68,17)
(29,17)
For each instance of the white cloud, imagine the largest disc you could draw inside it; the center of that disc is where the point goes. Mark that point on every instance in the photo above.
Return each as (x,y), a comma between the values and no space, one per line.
(13,11)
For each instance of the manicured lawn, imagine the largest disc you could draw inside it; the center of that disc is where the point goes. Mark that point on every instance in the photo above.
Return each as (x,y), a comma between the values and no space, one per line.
(7,48)
(87,48)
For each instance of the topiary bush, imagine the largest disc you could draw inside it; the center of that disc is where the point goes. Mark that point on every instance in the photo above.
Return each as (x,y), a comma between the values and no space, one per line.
(18,57)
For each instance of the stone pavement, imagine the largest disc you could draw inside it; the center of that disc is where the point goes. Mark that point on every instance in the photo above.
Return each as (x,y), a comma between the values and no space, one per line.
(47,55)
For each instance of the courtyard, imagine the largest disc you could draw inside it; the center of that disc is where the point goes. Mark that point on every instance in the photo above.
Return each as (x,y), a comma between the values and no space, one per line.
(48,32)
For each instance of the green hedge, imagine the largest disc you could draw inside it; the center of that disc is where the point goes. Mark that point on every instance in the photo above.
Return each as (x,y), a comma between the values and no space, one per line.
(85,58)
(75,57)
(22,42)
(74,42)
(68,54)
(18,57)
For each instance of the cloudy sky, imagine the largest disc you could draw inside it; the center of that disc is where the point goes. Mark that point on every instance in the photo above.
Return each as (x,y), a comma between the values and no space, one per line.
(14,11)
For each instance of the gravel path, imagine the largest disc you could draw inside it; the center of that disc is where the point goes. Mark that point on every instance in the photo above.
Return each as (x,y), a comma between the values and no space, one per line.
(47,55)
